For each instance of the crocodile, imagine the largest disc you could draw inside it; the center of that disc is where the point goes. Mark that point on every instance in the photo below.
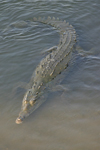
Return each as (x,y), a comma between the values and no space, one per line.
(53,64)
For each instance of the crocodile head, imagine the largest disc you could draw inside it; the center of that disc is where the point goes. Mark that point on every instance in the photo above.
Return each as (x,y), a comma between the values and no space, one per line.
(29,104)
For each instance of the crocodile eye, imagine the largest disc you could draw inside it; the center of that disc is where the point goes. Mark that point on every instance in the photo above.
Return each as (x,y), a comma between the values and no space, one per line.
(26,101)
(32,102)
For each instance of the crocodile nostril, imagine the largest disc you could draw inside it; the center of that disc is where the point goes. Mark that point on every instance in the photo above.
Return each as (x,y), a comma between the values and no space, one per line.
(18,121)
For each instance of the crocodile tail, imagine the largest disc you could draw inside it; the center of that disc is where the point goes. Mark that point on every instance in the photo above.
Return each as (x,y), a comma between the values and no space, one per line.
(62,26)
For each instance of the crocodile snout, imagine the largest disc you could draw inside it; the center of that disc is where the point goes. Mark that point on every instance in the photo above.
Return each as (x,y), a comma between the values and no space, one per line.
(19,121)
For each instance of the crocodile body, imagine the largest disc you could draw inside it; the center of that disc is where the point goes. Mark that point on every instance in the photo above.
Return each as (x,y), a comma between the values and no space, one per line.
(52,65)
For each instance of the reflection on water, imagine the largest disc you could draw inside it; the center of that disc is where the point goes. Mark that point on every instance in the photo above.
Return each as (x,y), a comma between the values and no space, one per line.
(70,118)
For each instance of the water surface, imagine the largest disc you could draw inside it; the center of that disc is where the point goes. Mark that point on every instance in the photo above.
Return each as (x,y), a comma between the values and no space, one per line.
(69,119)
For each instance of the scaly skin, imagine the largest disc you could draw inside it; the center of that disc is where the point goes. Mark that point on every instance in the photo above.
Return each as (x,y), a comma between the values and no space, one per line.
(52,65)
